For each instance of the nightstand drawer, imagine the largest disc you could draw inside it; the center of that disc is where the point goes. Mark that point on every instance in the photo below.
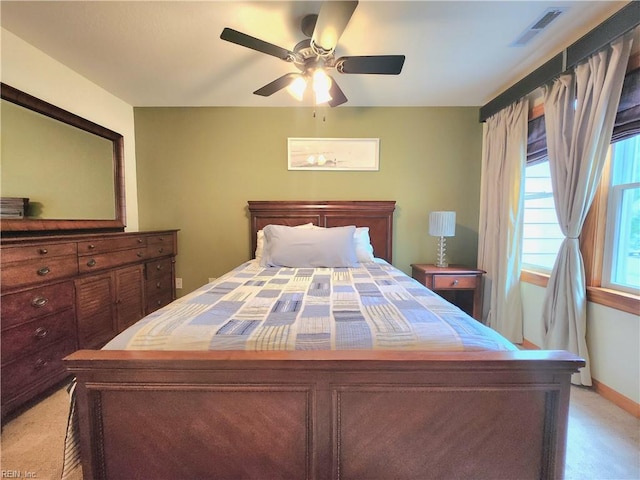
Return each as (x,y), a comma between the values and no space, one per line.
(443,282)
(458,284)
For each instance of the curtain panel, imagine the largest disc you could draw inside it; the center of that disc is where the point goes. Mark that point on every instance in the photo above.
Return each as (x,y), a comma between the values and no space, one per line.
(580,111)
(501,211)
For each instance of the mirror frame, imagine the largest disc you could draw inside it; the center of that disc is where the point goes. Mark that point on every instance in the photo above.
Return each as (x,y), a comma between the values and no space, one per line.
(32,225)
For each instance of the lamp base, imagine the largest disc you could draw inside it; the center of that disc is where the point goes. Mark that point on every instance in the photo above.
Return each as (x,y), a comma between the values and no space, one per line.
(442,258)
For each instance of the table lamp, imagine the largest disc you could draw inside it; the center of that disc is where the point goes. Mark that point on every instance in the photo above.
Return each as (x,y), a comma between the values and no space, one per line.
(442,224)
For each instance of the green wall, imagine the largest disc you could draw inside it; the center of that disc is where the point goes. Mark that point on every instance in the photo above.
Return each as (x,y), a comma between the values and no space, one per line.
(198,167)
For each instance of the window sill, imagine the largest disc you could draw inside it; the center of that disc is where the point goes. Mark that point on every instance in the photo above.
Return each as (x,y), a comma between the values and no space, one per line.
(615,299)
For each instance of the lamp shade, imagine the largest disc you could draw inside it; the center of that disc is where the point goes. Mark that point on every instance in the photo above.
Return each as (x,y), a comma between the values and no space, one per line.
(442,224)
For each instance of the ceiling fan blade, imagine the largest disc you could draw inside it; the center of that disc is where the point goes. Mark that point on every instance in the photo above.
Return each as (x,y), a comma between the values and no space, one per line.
(256,44)
(278,84)
(331,23)
(337,97)
(375,64)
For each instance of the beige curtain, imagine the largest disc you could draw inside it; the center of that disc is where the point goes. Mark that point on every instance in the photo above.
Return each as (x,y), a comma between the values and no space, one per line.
(580,109)
(501,210)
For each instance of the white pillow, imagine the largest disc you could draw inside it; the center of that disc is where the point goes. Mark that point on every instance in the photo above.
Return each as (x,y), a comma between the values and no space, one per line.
(364,249)
(260,239)
(296,247)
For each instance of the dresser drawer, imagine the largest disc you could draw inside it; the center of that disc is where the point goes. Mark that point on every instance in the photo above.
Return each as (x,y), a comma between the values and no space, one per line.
(158,300)
(38,271)
(30,372)
(160,245)
(20,307)
(111,245)
(33,252)
(159,268)
(158,285)
(444,282)
(37,334)
(106,260)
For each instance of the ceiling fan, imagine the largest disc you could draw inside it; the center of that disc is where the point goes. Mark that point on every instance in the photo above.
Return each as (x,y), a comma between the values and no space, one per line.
(314,55)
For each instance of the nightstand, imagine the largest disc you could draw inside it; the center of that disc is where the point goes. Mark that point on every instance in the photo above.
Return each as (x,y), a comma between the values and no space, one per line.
(460,285)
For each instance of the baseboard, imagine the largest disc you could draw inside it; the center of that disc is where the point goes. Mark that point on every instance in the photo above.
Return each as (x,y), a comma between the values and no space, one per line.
(600,388)
(527,345)
(616,398)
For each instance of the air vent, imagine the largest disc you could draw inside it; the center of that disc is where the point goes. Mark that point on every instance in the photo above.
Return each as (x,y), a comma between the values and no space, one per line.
(542,22)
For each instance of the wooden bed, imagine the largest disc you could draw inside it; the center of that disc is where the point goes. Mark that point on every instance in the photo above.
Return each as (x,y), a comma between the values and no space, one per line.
(323,415)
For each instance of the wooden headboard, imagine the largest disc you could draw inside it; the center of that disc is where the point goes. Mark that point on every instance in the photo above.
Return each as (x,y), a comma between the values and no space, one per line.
(377,215)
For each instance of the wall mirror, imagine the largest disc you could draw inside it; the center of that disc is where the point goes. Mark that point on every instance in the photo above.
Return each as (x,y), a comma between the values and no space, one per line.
(71,169)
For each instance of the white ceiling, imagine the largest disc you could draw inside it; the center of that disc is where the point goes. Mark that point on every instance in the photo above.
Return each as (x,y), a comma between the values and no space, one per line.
(168,53)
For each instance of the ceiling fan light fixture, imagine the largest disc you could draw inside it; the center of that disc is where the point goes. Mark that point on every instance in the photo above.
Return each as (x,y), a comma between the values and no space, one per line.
(297,88)
(321,86)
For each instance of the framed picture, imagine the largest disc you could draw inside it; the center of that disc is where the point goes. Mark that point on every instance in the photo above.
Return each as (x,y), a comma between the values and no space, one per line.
(334,154)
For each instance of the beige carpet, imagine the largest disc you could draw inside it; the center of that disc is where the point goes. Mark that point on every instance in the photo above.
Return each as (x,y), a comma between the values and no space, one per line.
(603,440)
(33,443)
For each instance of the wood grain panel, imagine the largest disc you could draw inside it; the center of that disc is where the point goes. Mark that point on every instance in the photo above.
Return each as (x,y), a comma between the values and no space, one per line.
(130,296)
(95,297)
(224,432)
(366,414)
(382,431)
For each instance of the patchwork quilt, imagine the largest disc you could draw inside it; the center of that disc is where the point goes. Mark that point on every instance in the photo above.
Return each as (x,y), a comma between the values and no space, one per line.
(374,306)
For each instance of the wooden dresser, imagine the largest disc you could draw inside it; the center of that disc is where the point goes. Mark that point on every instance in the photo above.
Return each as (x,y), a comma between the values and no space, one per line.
(61,293)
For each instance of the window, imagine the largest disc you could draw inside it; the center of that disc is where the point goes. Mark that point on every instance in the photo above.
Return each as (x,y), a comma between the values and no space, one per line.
(610,239)
(621,269)
(541,233)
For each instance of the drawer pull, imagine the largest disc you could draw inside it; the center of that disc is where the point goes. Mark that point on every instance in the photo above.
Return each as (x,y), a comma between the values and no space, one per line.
(91,263)
(158,285)
(160,250)
(159,302)
(158,267)
(43,251)
(40,363)
(41,332)
(139,240)
(140,254)
(43,271)
(91,246)
(161,239)
(455,282)
(39,302)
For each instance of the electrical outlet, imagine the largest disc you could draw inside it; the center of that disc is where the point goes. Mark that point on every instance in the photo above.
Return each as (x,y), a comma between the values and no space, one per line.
(211,279)
(178,282)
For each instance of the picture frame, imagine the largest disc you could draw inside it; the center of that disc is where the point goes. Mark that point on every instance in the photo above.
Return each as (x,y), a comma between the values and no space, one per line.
(334,154)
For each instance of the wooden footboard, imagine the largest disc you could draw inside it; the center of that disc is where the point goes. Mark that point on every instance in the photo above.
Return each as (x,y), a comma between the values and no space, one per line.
(327,415)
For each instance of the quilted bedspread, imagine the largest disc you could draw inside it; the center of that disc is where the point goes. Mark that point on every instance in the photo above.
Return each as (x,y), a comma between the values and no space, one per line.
(374,306)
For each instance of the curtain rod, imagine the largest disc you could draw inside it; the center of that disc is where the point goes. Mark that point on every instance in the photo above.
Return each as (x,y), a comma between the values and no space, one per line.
(627,18)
